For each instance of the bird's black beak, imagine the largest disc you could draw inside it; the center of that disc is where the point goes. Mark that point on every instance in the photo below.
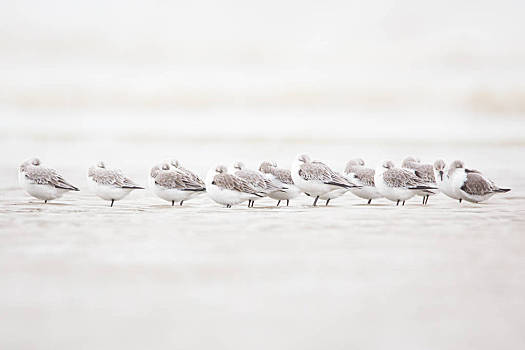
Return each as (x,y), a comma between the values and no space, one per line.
(441,175)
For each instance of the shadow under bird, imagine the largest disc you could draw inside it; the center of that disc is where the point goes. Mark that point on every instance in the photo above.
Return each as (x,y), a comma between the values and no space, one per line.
(110,184)
(42,182)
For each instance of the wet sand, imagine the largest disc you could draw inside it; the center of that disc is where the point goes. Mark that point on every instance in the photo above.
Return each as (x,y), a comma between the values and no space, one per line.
(76,273)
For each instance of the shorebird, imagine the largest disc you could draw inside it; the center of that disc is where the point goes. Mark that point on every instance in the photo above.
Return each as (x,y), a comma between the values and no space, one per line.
(397,184)
(472,185)
(262,184)
(174,183)
(283,179)
(228,189)
(426,173)
(315,178)
(110,184)
(41,182)
(357,172)
(443,181)
(337,192)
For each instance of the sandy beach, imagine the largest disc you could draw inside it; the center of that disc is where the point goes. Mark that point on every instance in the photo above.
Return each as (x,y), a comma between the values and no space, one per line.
(79,274)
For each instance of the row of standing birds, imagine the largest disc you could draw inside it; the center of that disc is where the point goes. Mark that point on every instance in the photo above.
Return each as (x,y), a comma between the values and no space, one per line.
(172,182)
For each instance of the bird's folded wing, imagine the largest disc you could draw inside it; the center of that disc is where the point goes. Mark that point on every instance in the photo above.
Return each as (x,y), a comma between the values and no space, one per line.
(283,175)
(232,182)
(476,184)
(315,171)
(47,176)
(179,180)
(365,176)
(401,178)
(255,179)
(426,173)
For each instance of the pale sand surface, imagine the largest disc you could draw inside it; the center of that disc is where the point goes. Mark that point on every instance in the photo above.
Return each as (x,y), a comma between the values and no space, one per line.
(76,274)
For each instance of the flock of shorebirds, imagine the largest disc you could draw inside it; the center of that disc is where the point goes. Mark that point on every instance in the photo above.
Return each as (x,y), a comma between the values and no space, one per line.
(172,182)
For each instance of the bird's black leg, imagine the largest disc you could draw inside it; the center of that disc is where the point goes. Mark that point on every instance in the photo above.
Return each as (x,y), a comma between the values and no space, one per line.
(181,202)
(112,201)
(249,202)
(460,200)
(328,200)
(315,200)
(397,203)
(45,201)
(403,202)
(172,203)
(278,202)
(424,199)
(369,201)
(287,202)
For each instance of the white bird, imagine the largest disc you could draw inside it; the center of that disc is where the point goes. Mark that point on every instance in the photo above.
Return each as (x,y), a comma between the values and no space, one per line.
(443,180)
(262,184)
(360,175)
(315,178)
(426,173)
(472,185)
(41,182)
(174,183)
(337,192)
(397,184)
(283,179)
(110,184)
(228,189)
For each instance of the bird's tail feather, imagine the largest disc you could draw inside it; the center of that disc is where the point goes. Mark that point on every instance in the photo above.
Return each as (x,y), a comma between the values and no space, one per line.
(502,190)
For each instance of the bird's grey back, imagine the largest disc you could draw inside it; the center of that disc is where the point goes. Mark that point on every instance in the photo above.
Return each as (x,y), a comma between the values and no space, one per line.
(364,175)
(283,175)
(397,177)
(111,177)
(426,173)
(46,176)
(232,182)
(477,184)
(173,179)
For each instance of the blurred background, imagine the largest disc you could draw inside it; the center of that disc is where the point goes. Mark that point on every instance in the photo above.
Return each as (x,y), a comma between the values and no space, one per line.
(269,69)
